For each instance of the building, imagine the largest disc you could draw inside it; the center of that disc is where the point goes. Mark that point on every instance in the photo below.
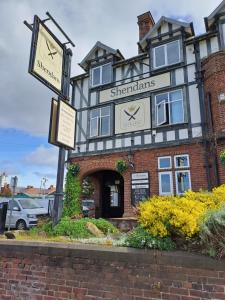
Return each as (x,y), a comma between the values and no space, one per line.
(161,112)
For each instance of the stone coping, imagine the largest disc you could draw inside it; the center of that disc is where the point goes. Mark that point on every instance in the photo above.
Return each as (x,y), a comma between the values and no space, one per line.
(25,249)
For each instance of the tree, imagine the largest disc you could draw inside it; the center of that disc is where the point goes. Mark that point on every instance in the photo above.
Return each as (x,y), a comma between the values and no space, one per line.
(88,187)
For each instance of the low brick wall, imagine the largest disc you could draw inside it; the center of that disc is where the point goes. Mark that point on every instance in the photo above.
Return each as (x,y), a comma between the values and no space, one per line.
(44,271)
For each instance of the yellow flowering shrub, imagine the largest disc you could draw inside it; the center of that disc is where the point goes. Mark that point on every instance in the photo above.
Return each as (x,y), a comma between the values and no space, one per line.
(162,215)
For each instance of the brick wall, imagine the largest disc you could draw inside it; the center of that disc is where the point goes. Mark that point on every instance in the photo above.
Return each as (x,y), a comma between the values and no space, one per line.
(47,272)
(214,84)
(147,160)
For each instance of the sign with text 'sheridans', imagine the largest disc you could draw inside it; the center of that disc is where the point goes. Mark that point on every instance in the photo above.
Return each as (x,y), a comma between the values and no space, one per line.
(62,124)
(46,58)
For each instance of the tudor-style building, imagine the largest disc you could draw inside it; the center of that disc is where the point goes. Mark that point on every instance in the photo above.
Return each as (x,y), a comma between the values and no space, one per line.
(162,112)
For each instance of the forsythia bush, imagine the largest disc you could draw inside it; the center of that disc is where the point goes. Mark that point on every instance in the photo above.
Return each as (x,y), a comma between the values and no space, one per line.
(165,215)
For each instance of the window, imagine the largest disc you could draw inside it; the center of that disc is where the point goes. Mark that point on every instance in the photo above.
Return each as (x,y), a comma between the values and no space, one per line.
(223,34)
(181,161)
(182,177)
(183,181)
(167,54)
(165,183)
(169,108)
(164,162)
(100,121)
(101,75)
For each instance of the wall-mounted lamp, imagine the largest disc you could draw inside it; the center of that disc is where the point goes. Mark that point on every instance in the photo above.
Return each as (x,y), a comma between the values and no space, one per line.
(221,97)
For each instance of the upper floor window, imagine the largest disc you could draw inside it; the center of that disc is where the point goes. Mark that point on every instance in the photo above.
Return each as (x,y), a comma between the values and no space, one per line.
(167,54)
(169,108)
(100,121)
(101,75)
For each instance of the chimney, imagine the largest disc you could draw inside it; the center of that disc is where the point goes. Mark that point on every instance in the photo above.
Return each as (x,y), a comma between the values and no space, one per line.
(145,23)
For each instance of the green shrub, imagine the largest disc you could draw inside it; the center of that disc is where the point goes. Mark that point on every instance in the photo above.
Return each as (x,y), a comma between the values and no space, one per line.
(212,233)
(140,238)
(72,203)
(104,226)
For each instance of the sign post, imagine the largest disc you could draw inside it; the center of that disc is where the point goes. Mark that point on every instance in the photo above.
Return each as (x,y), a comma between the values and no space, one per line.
(50,63)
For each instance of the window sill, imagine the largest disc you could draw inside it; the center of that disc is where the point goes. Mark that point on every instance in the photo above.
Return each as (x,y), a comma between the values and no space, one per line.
(166,68)
(101,87)
(97,138)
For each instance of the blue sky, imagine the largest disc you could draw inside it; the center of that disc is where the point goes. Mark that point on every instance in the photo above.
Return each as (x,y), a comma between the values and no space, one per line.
(25,102)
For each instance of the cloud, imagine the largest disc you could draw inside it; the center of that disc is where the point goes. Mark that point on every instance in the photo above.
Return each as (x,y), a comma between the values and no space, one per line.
(8,167)
(25,102)
(43,157)
(45,174)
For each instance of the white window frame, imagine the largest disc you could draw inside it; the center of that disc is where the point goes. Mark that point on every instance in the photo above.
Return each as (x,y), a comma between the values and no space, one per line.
(181,167)
(159,158)
(168,103)
(99,122)
(182,171)
(160,183)
(166,56)
(164,108)
(92,77)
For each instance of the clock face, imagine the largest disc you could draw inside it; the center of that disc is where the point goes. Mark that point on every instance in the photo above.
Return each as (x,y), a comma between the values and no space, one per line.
(48,58)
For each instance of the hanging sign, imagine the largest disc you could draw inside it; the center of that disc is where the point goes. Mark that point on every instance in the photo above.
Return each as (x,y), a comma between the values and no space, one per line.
(139,187)
(46,57)
(62,124)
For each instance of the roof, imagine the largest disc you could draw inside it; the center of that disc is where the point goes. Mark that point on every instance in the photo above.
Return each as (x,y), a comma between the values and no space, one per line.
(211,18)
(99,45)
(188,26)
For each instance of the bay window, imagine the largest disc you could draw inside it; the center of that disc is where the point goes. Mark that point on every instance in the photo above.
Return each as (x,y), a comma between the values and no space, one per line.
(166,54)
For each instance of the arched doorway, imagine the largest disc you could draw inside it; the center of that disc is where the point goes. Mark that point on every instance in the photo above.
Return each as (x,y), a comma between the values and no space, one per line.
(108,194)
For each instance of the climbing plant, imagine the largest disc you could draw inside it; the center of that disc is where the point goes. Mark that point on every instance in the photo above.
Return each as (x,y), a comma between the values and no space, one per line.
(72,203)
(222,157)
(121,166)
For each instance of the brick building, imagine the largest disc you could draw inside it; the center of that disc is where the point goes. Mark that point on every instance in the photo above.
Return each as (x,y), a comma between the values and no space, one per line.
(161,112)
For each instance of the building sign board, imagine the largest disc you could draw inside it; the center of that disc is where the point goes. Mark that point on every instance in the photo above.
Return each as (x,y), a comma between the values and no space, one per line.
(139,190)
(132,116)
(62,124)
(46,58)
(135,87)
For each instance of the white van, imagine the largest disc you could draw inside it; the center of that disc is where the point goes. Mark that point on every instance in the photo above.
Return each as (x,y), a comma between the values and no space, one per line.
(25,212)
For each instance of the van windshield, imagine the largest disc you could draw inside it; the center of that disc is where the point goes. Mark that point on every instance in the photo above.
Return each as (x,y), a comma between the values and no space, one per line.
(29,204)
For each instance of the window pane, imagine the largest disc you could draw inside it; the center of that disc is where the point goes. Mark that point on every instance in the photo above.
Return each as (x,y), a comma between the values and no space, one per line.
(95,113)
(183,182)
(165,184)
(96,76)
(176,95)
(176,112)
(105,125)
(173,53)
(181,161)
(105,111)
(160,56)
(164,162)
(161,113)
(94,127)
(106,73)
(162,97)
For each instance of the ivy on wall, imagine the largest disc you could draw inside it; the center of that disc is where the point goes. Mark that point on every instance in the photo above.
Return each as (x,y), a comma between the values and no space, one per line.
(72,203)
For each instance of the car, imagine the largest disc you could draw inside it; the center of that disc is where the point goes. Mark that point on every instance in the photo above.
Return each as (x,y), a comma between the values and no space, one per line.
(23,213)
(88,207)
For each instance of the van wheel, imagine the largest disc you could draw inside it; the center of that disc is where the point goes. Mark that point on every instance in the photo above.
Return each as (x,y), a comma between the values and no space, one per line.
(21,225)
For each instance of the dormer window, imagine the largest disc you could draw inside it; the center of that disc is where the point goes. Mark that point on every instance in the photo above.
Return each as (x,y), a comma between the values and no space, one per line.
(101,75)
(166,54)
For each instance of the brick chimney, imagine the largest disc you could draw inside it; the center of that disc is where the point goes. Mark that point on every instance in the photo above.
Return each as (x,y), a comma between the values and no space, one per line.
(145,23)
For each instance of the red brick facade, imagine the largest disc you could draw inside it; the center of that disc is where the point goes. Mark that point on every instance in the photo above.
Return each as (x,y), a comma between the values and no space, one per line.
(146,160)
(214,85)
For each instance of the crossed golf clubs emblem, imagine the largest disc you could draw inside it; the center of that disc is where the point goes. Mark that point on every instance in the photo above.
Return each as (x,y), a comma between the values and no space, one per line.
(50,51)
(130,115)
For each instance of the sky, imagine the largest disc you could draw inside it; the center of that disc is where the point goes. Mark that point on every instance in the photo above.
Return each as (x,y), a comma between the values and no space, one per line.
(25,102)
